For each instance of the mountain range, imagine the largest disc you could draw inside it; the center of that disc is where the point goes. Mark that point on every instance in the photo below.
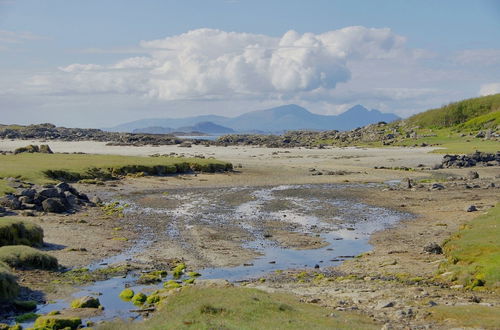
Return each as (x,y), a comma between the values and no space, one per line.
(274,120)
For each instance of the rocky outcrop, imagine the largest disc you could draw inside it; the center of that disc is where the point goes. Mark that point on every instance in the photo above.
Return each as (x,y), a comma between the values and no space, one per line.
(51,132)
(60,198)
(475,159)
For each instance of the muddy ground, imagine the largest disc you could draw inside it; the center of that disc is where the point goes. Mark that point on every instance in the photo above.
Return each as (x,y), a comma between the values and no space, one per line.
(372,284)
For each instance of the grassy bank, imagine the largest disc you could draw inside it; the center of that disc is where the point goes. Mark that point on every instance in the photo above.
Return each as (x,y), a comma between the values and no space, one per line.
(473,253)
(46,168)
(242,308)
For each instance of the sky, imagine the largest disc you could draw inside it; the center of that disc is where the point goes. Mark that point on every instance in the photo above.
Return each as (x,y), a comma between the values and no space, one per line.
(100,63)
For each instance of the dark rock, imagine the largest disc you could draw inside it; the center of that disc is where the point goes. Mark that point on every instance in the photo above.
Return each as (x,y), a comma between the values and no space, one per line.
(433,248)
(54,205)
(471,208)
(385,304)
(26,200)
(10,201)
(28,193)
(63,186)
(437,186)
(49,193)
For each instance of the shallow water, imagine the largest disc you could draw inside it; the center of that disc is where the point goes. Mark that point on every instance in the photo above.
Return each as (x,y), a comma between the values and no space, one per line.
(317,210)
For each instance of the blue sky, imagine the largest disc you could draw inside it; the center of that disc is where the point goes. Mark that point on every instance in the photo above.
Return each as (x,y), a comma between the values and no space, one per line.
(99,63)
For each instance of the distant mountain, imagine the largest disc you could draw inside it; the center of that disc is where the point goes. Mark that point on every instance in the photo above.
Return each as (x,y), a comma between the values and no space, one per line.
(153,130)
(275,120)
(206,127)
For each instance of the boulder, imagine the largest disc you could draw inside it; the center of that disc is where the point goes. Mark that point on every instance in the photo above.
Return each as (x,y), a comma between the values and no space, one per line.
(28,193)
(26,200)
(45,149)
(10,201)
(54,205)
(57,322)
(49,193)
(86,302)
(63,186)
(433,248)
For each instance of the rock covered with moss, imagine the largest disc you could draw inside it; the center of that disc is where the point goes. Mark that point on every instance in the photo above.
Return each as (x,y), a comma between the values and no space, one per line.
(21,256)
(15,231)
(86,302)
(56,322)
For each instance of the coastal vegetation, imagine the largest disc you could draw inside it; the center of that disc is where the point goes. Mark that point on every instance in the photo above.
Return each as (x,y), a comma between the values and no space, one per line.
(473,253)
(48,168)
(242,308)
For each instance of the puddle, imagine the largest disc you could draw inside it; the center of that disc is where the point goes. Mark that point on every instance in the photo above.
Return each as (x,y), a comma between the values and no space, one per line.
(345,225)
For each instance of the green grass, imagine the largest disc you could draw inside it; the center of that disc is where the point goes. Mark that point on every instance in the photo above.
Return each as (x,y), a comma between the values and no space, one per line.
(471,316)
(473,253)
(48,168)
(8,284)
(490,120)
(242,308)
(14,231)
(457,113)
(21,256)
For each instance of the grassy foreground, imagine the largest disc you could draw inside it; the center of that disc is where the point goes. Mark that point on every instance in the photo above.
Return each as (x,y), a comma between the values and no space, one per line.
(47,168)
(474,253)
(243,308)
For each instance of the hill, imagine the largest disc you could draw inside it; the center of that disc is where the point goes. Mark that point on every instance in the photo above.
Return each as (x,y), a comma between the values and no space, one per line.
(479,110)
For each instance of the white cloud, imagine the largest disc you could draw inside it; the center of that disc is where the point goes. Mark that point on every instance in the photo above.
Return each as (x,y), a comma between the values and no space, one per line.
(478,56)
(489,89)
(215,64)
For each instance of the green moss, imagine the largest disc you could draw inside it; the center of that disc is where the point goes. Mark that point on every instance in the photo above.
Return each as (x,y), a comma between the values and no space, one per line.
(171,284)
(14,231)
(189,281)
(56,322)
(27,257)
(26,317)
(193,274)
(473,253)
(153,299)
(139,298)
(127,294)
(178,270)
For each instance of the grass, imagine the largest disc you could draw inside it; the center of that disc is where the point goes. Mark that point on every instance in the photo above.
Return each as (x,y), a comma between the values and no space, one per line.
(21,256)
(471,316)
(242,308)
(8,284)
(473,253)
(48,168)
(457,113)
(14,231)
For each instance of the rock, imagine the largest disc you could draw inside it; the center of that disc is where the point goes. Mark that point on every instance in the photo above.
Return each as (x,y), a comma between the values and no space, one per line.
(96,200)
(28,193)
(49,193)
(63,186)
(216,283)
(472,208)
(85,302)
(10,201)
(433,248)
(54,205)
(472,175)
(385,304)
(437,186)
(25,200)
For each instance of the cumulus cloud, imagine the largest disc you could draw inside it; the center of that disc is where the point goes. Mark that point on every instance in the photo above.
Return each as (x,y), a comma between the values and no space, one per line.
(215,64)
(489,89)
